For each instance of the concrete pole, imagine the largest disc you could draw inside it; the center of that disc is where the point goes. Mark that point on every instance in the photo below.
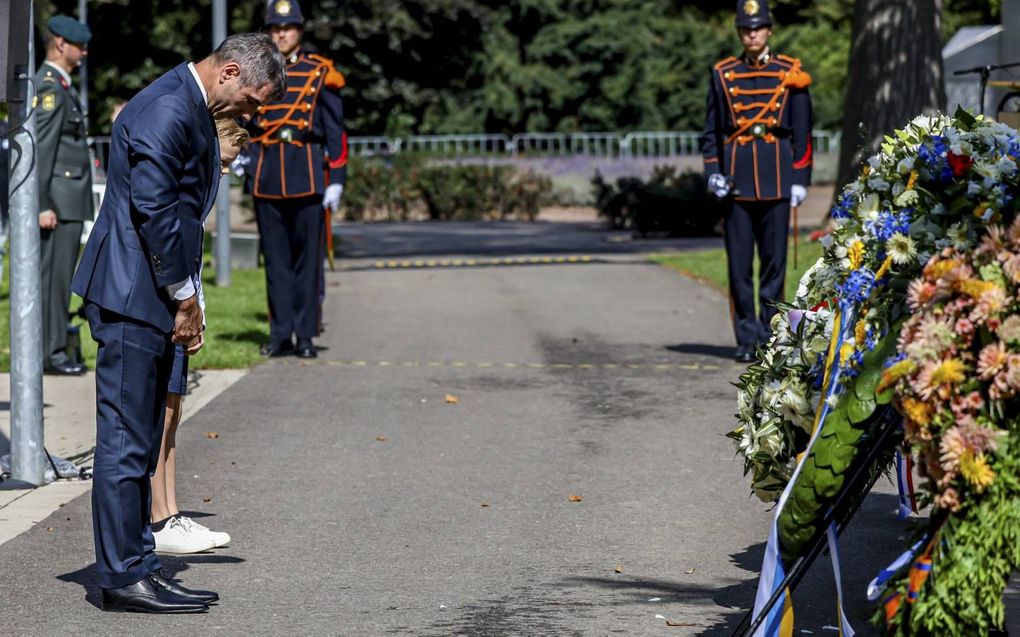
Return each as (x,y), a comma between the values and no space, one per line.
(222,246)
(83,70)
(28,462)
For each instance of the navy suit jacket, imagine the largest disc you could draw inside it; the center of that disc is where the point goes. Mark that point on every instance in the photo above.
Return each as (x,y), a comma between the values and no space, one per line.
(161,183)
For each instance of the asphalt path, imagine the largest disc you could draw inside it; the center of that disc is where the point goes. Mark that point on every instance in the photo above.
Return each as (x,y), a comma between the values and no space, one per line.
(484,450)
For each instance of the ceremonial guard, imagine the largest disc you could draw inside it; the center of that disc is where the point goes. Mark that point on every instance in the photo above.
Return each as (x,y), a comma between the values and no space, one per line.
(65,183)
(296,164)
(756,149)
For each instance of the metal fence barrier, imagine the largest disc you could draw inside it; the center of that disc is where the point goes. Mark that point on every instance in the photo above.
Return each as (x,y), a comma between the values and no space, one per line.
(636,145)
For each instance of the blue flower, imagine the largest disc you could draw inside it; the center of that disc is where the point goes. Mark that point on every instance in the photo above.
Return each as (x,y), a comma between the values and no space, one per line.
(892,360)
(857,287)
(934,155)
(843,206)
(889,223)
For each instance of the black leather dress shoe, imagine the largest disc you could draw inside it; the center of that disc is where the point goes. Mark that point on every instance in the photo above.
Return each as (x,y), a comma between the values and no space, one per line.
(305,349)
(147,597)
(745,354)
(206,597)
(275,349)
(66,368)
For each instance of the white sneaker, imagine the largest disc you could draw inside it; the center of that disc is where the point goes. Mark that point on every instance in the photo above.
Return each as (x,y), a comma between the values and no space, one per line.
(177,538)
(218,537)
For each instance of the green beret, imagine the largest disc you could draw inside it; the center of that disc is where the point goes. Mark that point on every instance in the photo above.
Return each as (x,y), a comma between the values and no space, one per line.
(69,29)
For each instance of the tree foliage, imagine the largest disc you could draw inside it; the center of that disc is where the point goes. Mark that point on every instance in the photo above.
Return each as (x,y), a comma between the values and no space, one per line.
(429,66)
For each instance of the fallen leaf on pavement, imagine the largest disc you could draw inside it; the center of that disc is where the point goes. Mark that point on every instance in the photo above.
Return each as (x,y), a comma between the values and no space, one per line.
(677,624)
(206,499)
(690,572)
(485,505)
(381,438)
(618,569)
(451,399)
(212,434)
(575,498)
(49,529)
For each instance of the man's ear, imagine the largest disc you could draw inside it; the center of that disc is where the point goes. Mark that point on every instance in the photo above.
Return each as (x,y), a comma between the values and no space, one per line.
(229,71)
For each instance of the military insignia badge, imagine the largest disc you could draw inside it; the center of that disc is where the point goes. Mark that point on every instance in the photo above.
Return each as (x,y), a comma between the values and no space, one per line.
(751,7)
(49,102)
(282,7)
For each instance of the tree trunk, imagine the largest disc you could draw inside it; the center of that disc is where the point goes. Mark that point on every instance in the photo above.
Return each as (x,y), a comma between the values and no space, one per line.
(895,74)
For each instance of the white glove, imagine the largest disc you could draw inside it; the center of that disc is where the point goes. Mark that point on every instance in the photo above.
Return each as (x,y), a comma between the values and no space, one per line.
(239,165)
(719,186)
(331,199)
(797,195)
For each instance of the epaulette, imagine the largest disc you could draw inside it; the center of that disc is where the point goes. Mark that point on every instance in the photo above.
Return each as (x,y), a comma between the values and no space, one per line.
(334,78)
(723,62)
(49,77)
(796,76)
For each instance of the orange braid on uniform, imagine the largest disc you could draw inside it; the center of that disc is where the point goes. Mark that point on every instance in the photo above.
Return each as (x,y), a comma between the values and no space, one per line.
(796,77)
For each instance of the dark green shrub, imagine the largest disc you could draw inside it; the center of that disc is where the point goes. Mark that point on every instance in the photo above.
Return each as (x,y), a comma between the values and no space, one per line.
(667,203)
(409,187)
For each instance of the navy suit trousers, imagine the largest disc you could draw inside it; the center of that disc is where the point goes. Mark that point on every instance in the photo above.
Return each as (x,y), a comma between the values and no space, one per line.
(132,369)
(765,224)
(290,235)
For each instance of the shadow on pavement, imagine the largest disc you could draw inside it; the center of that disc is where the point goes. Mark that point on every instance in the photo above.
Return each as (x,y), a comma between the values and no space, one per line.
(703,349)
(497,238)
(172,565)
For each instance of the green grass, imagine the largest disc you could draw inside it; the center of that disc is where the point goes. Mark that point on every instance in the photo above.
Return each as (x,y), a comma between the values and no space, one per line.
(709,266)
(235,326)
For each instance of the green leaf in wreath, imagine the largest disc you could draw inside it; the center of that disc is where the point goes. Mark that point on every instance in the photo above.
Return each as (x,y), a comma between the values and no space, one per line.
(859,409)
(965,118)
(824,451)
(827,484)
(864,388)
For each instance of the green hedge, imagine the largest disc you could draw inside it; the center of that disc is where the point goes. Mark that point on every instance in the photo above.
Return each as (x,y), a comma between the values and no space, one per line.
(665,203)
(410,187)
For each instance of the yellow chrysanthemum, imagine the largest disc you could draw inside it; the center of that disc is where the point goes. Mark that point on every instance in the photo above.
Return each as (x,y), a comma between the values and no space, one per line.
(973,288)
(917,411)
(895,372)
(856,255)
(884,267)
(912,180)
(950,372)
(976,470)
(942,267)
(860,332)
(845,352)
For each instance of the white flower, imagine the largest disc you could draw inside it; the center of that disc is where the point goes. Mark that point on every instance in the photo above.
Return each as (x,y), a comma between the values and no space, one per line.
(959,235)
(907,199)
(840,251)
(869,207)
(877,183)
(901,248)
(827,241)
(905,166)
(875,161)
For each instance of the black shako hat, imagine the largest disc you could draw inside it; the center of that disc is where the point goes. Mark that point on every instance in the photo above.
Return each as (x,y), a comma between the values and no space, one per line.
(69,29)
(284,12)
(753,14)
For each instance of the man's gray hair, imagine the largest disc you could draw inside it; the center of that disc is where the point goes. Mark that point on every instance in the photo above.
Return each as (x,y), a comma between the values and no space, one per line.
(260,61)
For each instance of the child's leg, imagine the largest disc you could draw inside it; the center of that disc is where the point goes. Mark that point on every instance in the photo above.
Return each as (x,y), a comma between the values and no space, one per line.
(164,483)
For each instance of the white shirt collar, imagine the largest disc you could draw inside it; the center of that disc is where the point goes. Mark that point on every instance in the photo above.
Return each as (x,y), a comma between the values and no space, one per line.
(64,74)
(198,80)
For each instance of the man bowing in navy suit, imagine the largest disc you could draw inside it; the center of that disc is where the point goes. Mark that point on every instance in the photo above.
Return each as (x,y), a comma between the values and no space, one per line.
(138,279)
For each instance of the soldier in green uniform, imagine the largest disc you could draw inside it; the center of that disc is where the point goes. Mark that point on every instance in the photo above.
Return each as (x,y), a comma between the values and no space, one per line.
(65,183)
